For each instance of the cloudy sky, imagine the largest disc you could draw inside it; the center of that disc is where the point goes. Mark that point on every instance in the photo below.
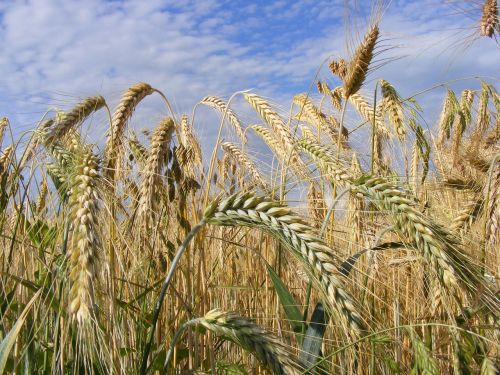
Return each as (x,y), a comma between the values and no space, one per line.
(55,52)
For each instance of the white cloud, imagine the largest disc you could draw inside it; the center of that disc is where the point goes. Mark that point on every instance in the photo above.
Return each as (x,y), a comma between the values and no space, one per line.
(56,51)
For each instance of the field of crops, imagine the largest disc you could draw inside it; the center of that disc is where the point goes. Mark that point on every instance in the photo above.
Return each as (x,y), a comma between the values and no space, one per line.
(359,239)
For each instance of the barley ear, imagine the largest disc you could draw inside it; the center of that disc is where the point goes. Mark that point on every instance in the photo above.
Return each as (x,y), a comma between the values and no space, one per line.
(247,209)
(266,347)
(489,23)
(121,115)
(85,245)
(358,66)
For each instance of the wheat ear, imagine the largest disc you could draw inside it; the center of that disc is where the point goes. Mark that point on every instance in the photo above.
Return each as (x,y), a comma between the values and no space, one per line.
(221,106)
(151,173)
(312,114)
(358,66)
(139,152)
(447,116)
(325,160)
(75,116)
(85,245)
(483,116)
(316,205)
(297,165)
(392,104)
(366,111)
(489,19)
(339,68)
(437,245)
(467,214)
(4,122)
(189,140)
(130,99)
(245,161)
(42,197)
(246,209)
(5,158)
(271,118)
(266,347)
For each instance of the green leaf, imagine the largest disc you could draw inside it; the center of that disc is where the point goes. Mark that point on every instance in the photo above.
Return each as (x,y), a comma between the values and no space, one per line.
(290,306)
(346,266)
(310,353)
(231,369)
(423,362)
(9,340)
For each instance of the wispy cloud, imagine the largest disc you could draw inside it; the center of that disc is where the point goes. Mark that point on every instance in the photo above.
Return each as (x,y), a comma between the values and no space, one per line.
(55,51)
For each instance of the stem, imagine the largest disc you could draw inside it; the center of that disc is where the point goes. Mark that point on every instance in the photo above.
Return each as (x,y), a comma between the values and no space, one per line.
(374,129)
(163,292)
(486,204)
(339,141)
(176,337)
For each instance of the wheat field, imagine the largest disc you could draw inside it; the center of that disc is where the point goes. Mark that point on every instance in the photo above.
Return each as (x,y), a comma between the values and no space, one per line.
(365,242)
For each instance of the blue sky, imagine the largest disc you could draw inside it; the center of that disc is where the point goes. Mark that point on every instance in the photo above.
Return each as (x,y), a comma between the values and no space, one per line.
(55,52)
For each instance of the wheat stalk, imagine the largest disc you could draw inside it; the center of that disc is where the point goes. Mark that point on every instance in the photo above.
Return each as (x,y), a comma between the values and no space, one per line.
(246,209)
(84,247)
(129,101)
(221,106)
